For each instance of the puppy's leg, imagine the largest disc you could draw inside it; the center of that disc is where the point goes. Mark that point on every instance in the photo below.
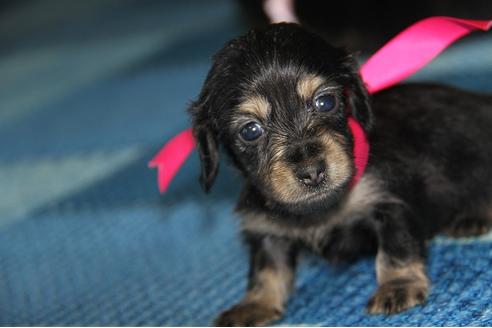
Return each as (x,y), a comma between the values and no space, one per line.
(400,268)
(271,277)
(347,242)
(473,223)
(469,227)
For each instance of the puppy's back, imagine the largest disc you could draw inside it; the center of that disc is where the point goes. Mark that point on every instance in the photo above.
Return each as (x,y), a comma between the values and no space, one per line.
(433,144)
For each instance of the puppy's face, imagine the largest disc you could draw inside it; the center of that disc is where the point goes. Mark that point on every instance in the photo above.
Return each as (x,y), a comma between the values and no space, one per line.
(278,101)
(288,133)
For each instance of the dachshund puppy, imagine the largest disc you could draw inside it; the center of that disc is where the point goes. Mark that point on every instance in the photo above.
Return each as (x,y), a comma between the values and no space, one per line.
(278,102)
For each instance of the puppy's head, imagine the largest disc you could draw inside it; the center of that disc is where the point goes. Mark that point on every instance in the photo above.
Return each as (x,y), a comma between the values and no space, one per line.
(278,101)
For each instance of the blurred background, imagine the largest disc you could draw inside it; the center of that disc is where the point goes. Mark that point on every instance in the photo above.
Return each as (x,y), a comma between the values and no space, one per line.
(90,90)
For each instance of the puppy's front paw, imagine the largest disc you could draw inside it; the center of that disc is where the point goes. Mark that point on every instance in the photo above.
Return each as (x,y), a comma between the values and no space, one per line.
(396,296)
(247,315)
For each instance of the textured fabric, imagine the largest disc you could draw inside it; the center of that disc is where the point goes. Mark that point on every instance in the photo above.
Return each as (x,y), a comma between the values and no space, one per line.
(88,94)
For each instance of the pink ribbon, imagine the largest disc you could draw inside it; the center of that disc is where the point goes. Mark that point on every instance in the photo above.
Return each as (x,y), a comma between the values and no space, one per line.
(280,11)
(413,48)
(402,56)
(171,157)
(360,150)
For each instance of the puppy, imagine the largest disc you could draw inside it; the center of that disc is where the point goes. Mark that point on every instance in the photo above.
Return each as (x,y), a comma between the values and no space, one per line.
(278,102)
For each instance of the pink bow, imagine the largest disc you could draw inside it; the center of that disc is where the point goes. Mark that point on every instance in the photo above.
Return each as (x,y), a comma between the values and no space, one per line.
(402,56)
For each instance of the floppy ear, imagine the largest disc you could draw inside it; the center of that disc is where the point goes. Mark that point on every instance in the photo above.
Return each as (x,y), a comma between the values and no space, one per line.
(207,146)
(358,97)
(212,100)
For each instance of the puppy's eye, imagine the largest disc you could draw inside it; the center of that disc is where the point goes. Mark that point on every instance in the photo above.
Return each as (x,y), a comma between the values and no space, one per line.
(325,103)
(251,131)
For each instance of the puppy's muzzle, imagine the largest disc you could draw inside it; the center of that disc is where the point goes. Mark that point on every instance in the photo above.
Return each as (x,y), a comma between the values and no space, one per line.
(312,174)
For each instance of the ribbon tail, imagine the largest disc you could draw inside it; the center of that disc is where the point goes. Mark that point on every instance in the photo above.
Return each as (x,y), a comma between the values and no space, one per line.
(170,158)
(414,48)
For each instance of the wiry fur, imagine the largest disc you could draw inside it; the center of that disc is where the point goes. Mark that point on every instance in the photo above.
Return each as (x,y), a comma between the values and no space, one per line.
(428,171)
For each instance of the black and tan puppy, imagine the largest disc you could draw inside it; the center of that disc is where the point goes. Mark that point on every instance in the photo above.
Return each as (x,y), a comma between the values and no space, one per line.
(278,100)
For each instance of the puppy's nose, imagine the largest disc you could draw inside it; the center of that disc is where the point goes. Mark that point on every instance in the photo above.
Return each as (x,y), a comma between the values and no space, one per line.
(312,175)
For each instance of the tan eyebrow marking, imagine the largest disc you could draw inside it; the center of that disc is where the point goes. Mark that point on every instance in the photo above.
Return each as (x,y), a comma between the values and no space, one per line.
(255,105)
(308,84)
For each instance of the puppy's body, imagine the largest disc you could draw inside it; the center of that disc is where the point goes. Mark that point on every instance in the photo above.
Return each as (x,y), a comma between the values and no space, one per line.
(278,101)
(431,150)
(433,146)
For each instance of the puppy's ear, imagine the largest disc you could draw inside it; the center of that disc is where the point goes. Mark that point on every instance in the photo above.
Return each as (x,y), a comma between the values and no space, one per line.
(207,145)
(358,97)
